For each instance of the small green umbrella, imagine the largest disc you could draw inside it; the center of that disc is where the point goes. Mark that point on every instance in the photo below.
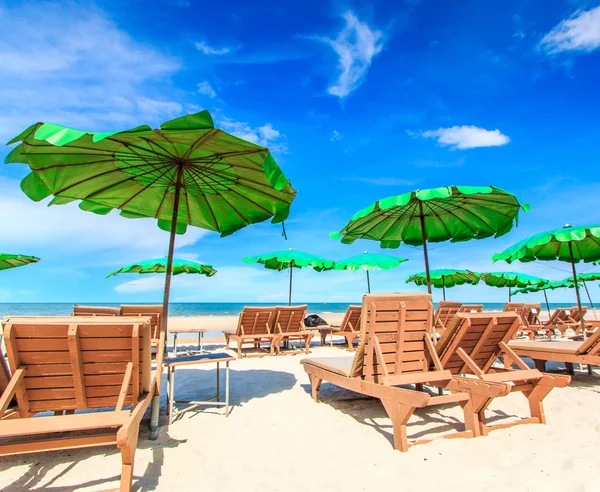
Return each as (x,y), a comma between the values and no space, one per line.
(291,258)
(550,285)
(159,265)
(443,278)
(584,278)
(447,213)
(8,260)
(510,280)
(571,244)
(369,261)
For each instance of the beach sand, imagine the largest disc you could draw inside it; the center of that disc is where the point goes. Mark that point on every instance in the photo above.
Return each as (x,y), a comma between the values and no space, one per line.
(278,439)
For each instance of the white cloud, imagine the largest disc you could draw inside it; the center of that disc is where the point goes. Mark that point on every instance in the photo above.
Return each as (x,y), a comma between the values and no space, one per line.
(205,88)
(90,75)
(264,135)
(581,32)
(335,136)
(465,137)
(355,45)
(209,50)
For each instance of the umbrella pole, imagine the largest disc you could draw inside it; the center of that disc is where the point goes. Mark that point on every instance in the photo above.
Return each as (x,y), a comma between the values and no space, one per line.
(368,282)
(443,288)
(509,294)
(290,294)
(589,299)
(577,289)
(424,236)
(163,328)
(547,305)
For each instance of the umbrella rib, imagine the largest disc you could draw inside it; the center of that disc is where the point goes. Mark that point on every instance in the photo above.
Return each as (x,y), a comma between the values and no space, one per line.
(135,148)
(146,187)
(200,140)
(153,144)
(206,200)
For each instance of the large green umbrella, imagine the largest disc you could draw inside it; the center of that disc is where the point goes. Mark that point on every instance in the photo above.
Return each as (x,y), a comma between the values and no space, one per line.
(8,260)
(369,261)
(550,285)
(291,258)
(584,278)
(186,173)
(510,280)
(444,277)
(159,265)
(571,244)
(455,213)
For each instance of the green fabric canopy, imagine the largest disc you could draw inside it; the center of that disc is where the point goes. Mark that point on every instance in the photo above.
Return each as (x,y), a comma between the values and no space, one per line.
(187,172)
(571,244)
(448,213)
(369,261)
(159,265)
(510,280)
(443,278)
(291,258)
(8,260)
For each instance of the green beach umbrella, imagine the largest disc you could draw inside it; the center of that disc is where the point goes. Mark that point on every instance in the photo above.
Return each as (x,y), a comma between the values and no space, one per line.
(291,258)
(550,285)
(443,278)
(510,280)
(369,261)
(448,213)
(584,278)
(187,172)
(570,244)
(8,260)
(159,265)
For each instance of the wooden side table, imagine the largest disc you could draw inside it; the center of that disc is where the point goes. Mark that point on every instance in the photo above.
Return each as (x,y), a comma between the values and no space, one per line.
(192,329)
(215,358)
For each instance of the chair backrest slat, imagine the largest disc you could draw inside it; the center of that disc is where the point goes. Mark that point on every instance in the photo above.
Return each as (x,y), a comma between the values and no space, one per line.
(79,310)
(444,312)
(471,308)
(256,320)
(290,319)
(351,321)
(153,311)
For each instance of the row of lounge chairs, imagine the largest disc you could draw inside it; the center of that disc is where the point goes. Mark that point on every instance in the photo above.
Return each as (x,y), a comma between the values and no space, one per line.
(396,348)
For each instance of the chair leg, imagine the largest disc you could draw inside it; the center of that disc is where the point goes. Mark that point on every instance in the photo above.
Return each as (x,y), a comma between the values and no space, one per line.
(399,414)
(540,365)
(315,385)
(128,458)
(535,397)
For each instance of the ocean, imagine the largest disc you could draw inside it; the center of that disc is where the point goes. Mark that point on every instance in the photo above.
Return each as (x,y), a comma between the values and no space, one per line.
(196,308)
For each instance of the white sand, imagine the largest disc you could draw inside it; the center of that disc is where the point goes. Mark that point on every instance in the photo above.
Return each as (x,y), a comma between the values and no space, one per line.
(277,439)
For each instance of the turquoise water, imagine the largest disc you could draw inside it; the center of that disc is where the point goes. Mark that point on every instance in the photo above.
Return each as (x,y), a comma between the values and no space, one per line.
(194,308)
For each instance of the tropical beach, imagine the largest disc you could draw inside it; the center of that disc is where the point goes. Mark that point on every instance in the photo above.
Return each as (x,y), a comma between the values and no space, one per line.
(314,247)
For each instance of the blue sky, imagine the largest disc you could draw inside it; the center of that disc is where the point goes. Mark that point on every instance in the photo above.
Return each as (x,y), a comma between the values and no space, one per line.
(357,101)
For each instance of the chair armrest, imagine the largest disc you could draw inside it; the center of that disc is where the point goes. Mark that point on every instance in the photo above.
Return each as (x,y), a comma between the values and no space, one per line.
(130,429)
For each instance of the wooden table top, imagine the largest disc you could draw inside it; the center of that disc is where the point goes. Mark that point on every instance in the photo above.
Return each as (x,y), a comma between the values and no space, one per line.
(199,359)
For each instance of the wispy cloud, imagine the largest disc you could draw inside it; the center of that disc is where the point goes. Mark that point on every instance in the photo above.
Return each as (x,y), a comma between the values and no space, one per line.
(465,137)
(335,136)
(206,89)
(210,50)
(92,75)
(264,135)
(580,32)
(355,45)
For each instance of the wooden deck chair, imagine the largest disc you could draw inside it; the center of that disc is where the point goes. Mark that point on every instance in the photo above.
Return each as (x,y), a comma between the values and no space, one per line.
(395,348)
(4,380)
(576,316)
(152,311)
(350,327)
(562,320)
(568,351)
(71,364)
(471,308)
(79,310)
(443,314)
(289,326)
(471,345)
(255,326)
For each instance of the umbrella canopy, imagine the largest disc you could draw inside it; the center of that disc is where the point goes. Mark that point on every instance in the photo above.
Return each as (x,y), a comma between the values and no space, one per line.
(443,278)
(510,280)
(282,260)
(187,172)
(448,213)
(571,244)
(159,265)
(8,260)
(369,261)
(550,285)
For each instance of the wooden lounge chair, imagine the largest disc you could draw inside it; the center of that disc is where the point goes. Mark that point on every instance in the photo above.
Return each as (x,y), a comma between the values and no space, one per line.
(69,364)
(562,320)
(395,348)
(443,314)
(568,351)
(255,326)
(471,345)
(350,327)
(289,326)
(79,310)
(471,308)
(152,311)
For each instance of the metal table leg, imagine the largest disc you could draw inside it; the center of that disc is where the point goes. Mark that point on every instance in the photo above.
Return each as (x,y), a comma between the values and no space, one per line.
(175,344)
(227,389)
(218,383)
(171,393)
